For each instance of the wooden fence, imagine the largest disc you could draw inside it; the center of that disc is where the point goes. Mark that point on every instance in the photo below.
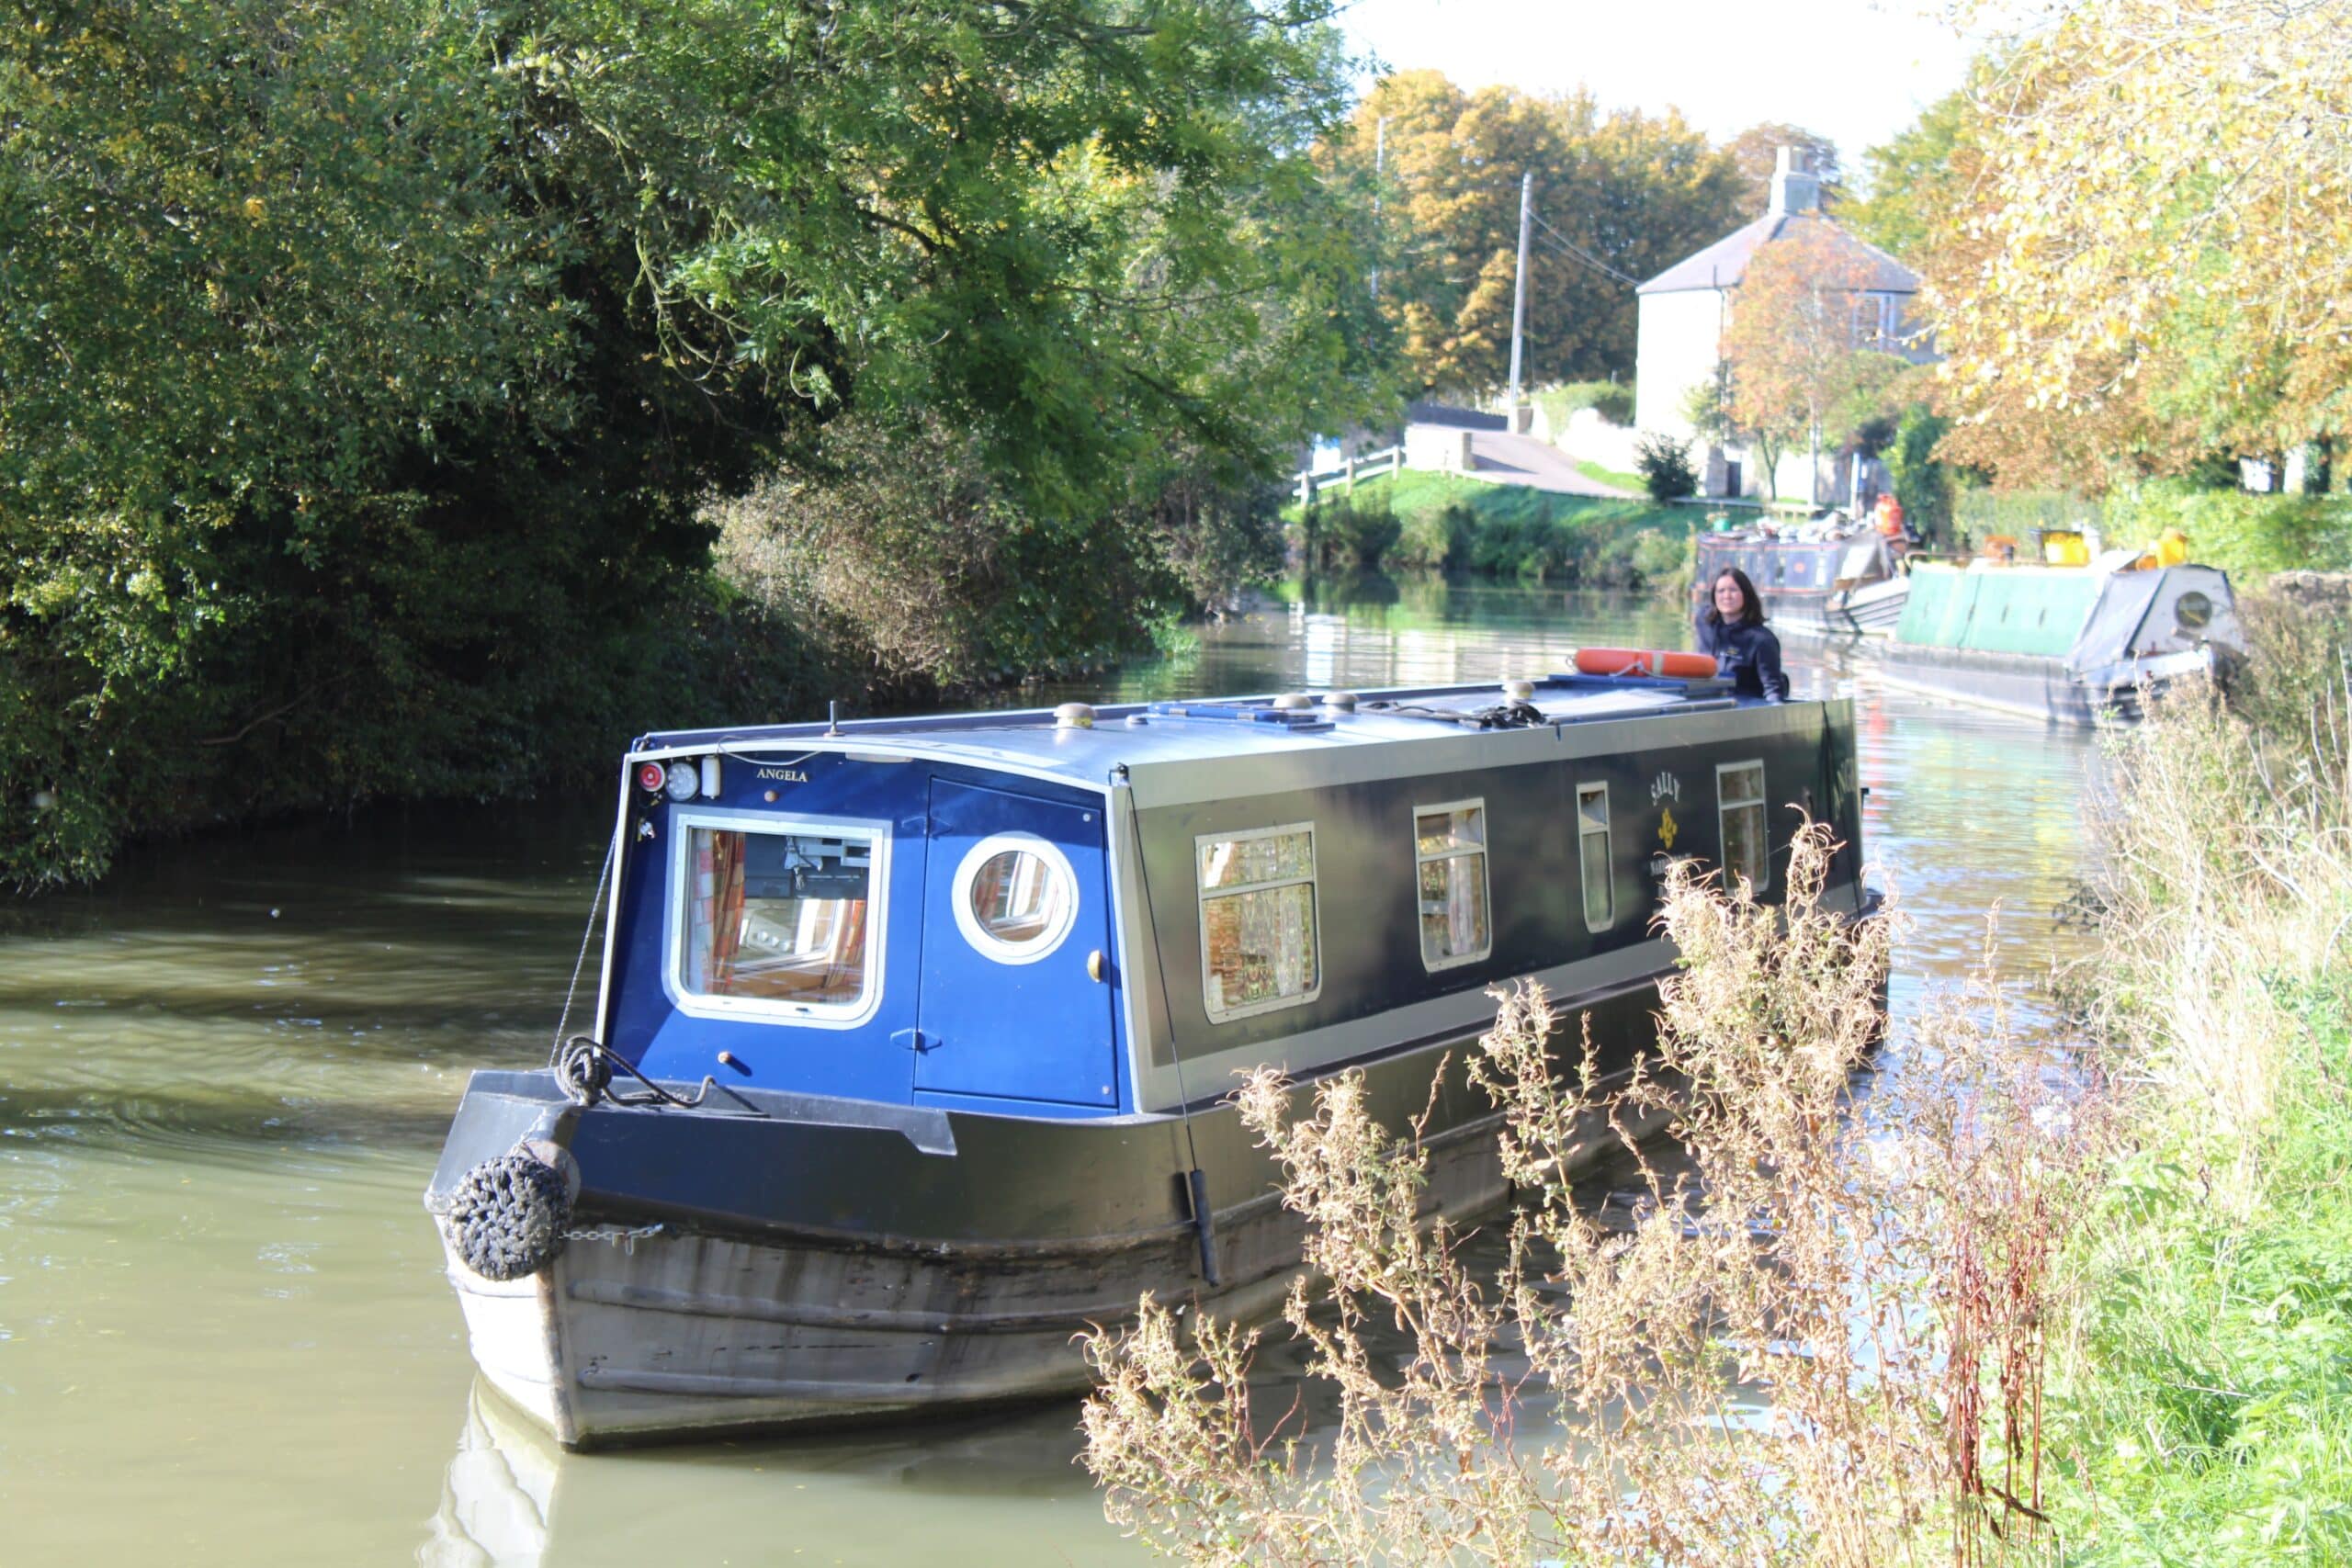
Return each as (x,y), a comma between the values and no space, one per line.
(1365,466)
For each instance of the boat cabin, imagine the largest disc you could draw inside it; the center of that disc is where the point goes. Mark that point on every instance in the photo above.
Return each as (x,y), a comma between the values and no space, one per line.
(1105,912)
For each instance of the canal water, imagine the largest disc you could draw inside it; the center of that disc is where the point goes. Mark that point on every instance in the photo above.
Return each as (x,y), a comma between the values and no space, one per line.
(224,1075)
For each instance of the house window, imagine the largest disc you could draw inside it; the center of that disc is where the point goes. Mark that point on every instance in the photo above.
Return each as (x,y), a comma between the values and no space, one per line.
(1593,857)
(1450,873)
(1874,320)
(1259,948)
(774,922)
(1739,805)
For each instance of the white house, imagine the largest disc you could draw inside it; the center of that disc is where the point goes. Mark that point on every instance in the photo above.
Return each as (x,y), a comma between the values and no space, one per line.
(1684,309)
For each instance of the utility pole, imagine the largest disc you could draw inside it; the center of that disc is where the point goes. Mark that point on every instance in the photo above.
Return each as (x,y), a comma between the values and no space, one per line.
(1519,293)
(1379,174)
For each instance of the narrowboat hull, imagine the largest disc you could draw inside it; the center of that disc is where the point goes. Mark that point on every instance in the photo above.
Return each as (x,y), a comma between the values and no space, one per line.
(713,1291)
(2063,644)
(2037,688)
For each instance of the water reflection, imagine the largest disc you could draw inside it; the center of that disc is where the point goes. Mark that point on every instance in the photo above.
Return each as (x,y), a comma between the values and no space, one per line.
(1005,1488)
(225,1335)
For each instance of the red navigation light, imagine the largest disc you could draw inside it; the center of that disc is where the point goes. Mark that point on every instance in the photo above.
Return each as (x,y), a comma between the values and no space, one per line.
(649,777)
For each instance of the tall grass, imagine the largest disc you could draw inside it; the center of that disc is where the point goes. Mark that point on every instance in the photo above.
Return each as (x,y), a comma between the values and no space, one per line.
(2204,1397)
(1820,1341)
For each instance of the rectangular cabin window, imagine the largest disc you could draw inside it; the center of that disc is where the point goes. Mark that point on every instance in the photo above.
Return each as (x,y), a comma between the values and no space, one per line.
(1593,857)
(1450,870)
(775,923)
(1259,944)
(1739,806)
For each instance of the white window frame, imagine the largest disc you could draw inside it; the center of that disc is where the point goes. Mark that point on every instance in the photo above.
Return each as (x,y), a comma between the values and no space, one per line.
(987,944)
(765,1009)
(1315,905)
(1485,877)
(1607,837)
(1761,806)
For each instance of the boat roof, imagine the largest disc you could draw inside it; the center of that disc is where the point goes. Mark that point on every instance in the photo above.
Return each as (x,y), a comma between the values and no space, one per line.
(1140,735)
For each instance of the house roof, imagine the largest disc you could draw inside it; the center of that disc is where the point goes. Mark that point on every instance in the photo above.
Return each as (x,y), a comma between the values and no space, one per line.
(1724,262)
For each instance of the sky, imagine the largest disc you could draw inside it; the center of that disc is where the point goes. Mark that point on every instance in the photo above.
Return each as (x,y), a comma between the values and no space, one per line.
(1855,72)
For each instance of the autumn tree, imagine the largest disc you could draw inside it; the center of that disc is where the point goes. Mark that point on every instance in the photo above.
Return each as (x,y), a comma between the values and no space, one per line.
(1805,360)
(2156,263)
(1620,197)
(1757,151)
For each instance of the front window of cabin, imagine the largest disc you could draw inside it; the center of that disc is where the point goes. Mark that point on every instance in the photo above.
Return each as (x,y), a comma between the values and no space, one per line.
(1259,945)
(1450,851)
(777,917)
(1739,804)
(1593,858)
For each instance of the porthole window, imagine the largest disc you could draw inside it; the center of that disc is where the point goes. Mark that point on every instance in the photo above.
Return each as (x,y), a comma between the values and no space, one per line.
(2193,610)
(1015,896)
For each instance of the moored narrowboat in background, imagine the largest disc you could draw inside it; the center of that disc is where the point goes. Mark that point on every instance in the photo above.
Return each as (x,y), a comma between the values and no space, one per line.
(1829,579)
(912,1038)
(2071,644)
(2073,640)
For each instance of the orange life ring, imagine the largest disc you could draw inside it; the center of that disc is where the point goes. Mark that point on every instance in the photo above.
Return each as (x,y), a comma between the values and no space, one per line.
(1644,661)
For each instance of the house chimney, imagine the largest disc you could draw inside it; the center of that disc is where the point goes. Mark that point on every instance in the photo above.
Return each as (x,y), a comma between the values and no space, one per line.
(1794,189)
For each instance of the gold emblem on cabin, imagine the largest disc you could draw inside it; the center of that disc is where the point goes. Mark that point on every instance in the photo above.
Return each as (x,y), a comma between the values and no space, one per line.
(1666,828)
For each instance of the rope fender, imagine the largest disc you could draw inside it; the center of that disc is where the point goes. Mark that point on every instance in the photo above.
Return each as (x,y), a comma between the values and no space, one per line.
(508,1216)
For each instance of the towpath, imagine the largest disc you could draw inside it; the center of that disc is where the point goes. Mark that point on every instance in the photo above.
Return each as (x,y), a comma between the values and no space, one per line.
(1513,459)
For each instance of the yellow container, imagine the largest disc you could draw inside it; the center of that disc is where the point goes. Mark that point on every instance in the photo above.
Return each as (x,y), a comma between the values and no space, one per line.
(2172,547)
(2064,547)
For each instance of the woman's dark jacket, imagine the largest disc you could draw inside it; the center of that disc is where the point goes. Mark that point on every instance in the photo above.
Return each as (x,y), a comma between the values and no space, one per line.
(1750,655)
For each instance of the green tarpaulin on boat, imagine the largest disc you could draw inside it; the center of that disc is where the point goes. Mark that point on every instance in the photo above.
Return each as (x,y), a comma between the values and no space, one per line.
(2021,609)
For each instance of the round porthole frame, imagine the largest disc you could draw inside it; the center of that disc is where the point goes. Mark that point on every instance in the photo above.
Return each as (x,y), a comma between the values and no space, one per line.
(967,872)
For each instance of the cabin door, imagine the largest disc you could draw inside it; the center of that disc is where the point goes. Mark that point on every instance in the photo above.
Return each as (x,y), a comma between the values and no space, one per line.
(1013,907)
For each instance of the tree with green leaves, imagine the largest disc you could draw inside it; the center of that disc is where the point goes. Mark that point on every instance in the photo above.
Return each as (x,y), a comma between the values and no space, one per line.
(363,365)
(1919,181)
(1922,482)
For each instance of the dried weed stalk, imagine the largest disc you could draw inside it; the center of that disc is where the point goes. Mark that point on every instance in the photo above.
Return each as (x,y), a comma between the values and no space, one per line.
(1819,1342)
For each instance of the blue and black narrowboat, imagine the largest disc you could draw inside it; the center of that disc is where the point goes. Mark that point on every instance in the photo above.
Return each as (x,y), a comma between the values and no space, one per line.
(912,1041)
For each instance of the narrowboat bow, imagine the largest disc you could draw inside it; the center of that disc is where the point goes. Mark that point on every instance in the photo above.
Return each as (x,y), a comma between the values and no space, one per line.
(912,1036)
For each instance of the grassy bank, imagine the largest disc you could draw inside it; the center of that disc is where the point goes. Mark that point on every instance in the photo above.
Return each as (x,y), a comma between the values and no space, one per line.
(2201,1406)
(1429,520)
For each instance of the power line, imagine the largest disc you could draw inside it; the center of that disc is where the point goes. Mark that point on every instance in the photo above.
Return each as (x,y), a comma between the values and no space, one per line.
(1584,261)
(1572,248)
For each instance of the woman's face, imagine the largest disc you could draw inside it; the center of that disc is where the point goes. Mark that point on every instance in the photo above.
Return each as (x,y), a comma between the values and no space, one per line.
(1730,603)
